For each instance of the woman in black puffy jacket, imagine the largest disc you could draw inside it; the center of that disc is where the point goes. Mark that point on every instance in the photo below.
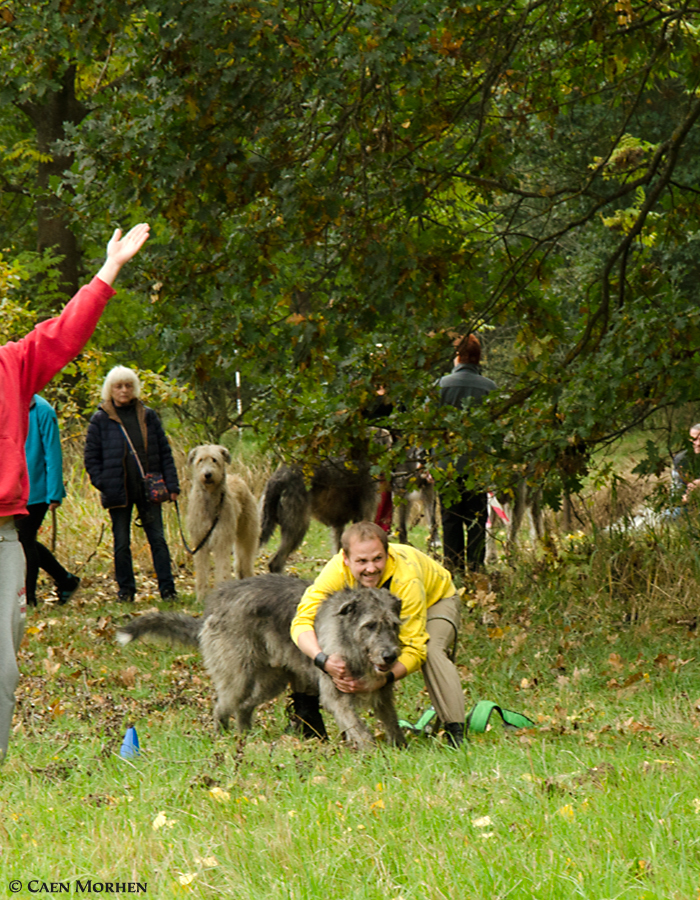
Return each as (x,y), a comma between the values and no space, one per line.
(114,471)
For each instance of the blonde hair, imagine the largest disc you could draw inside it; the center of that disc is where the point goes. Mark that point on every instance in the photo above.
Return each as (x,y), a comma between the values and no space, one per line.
(120,373)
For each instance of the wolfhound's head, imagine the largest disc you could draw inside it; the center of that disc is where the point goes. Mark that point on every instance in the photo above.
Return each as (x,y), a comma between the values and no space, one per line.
(208,463)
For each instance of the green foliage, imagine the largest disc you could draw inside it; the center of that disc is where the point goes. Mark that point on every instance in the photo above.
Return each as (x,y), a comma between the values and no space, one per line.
(338,189)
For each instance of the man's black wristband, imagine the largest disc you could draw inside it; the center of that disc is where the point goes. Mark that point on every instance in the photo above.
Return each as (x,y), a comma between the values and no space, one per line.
(390,677)
(320,661)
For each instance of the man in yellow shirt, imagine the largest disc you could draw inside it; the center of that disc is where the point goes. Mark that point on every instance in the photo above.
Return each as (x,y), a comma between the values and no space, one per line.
(430,610)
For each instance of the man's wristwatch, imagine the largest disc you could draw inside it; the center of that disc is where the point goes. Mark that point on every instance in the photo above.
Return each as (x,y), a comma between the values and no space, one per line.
(320,661)
(390,677)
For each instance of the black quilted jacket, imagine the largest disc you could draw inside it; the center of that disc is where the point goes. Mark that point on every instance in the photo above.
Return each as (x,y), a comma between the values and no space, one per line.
(106,449)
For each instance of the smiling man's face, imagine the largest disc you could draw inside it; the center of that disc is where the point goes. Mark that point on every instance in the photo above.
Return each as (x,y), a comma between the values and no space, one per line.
(367,561)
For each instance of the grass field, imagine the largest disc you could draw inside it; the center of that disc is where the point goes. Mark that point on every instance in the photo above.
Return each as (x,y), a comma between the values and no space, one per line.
(600,800)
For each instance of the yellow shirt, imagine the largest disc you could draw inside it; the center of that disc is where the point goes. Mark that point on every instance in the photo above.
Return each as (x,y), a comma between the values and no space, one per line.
(416,579)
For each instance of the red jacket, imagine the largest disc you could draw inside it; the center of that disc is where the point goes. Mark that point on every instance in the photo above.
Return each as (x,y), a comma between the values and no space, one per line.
(26,366)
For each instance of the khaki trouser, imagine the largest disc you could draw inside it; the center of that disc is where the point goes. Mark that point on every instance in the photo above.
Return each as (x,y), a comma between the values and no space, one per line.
(440,673)
(13,611)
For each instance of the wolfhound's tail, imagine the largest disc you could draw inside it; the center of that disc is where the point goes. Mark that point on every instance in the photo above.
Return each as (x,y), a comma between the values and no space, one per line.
(172,626)
(285,484)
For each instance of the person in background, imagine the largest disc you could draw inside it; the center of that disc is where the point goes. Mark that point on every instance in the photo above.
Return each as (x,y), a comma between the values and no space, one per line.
(46,491)
(125,440)
(686,466)
(26,367)
(469,512)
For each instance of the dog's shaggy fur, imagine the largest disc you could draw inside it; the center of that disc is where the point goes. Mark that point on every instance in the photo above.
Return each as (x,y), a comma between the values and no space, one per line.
(251,658)
(212,492)
(339,492)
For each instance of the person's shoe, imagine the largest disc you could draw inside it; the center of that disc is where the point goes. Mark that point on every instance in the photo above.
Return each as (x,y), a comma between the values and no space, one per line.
(126,596)
(455,734)
(70,586)
(169,596)
(305,716)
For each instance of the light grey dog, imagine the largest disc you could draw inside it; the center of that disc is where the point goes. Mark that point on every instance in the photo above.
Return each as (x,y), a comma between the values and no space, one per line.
(251,658)
(223,514)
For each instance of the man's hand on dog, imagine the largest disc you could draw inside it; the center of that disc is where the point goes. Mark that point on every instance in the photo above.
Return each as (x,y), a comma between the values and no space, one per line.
(343,680)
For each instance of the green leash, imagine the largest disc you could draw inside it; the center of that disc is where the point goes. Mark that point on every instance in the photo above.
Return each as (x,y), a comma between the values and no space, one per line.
(477,720)
(421,724)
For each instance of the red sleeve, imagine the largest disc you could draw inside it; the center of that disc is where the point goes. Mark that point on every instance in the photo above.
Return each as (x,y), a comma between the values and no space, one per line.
(54,343)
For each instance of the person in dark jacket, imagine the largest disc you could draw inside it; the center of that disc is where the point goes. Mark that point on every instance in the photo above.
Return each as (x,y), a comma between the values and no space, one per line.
(112,464)
(465,385)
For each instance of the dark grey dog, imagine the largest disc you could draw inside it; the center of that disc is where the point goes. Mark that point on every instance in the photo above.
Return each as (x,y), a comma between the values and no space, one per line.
(251,658)
(339,492)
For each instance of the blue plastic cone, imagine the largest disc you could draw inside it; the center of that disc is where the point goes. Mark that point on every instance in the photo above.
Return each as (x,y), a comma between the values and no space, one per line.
(130,745)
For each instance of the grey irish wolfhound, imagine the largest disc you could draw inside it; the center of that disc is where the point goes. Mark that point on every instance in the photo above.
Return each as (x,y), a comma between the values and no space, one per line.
(251,658)
(339,492)
(228,499)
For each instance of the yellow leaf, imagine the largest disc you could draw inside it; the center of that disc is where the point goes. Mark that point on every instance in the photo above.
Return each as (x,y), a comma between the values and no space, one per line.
(187,878)
(482,822)
(162,821)
(567,812)
(219,795)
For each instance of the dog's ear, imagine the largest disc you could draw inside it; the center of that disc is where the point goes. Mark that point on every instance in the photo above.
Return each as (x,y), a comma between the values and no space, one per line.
(397,605)
(348,607)
(226,455)
(190,456)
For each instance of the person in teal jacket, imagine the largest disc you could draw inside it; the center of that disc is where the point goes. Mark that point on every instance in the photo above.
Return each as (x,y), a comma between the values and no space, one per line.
(46,491)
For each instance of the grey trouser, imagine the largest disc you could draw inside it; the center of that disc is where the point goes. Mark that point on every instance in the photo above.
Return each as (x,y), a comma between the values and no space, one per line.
(13,612)
(441,676)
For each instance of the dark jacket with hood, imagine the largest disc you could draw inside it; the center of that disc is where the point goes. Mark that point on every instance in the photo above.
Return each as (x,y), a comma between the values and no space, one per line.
(106,452)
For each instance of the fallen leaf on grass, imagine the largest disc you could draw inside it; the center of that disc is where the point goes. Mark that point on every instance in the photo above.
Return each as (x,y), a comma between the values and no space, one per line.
(162,821)
(567,811)
(219,794)
(482,822)
(128,676)
(102,626)
(50,667)
(615,662)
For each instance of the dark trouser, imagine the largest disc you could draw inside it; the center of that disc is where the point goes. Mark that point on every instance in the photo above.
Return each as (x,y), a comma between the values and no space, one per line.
(152,521)
(469,512)
(37,555)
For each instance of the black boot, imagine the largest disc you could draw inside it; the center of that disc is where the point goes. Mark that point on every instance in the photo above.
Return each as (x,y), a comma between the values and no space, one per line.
(455,734)
(305,716)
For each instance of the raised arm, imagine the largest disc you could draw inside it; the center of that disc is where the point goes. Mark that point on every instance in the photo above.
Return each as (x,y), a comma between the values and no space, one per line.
(121,249)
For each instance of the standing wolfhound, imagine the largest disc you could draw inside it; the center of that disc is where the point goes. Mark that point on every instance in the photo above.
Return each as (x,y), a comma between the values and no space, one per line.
(223,514)
(340,491)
